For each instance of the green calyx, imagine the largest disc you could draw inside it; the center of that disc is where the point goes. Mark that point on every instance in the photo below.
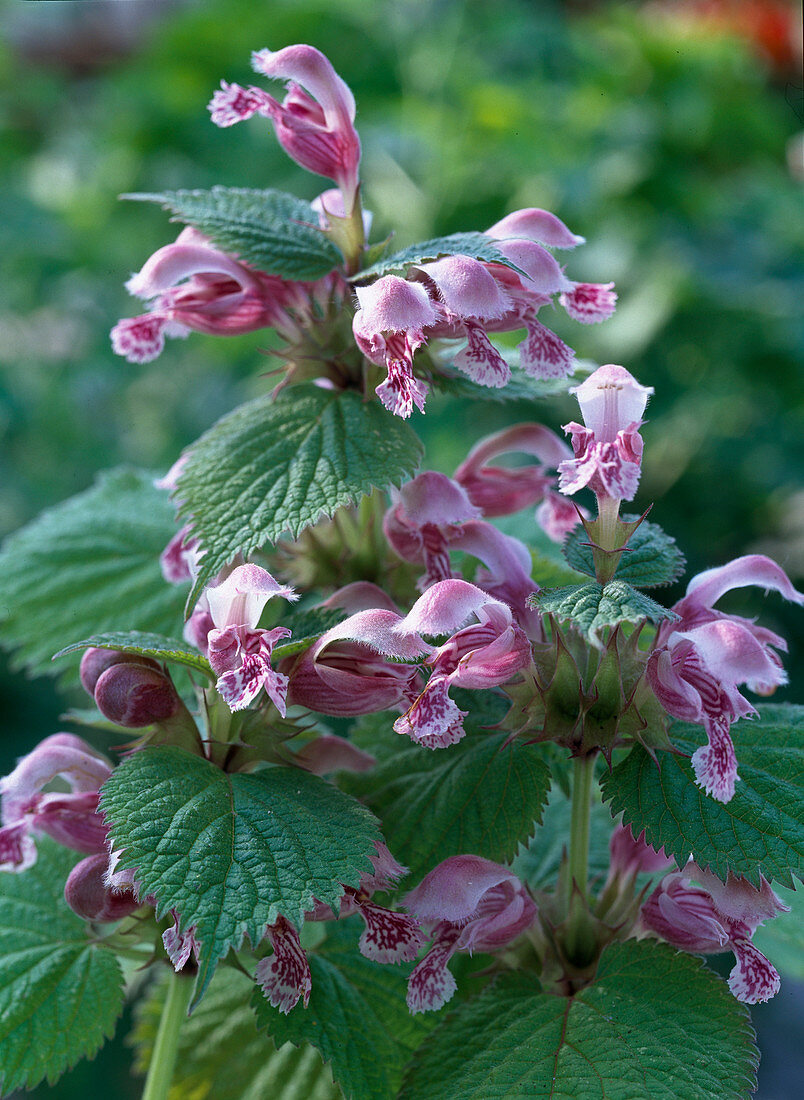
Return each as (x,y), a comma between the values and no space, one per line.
(589,699)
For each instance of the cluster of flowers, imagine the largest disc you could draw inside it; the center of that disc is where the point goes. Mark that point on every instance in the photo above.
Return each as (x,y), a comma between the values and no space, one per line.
(465,904)
(380,657)
(191,285)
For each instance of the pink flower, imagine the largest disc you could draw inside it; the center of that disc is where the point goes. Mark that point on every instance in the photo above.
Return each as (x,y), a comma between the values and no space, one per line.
(499,491)
(484,654)
(698,663)
(427,515)
(315,122)
(238,651)
(191,285)
(387,937)
(285,976)
(474,905)
(388,328)
(69,818)
(88,895)
(630,857)
(608,450)
(713,917)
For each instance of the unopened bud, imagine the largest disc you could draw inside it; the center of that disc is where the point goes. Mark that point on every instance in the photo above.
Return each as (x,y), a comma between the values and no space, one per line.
(135,695)
(85,893)
(95,662)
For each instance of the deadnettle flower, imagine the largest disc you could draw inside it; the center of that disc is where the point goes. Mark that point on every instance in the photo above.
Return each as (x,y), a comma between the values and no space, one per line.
(191,285)
(608,449)
(315,122)
(521,236)
(712,917)
(388,327)
(238,651)
(499,491)
(484,654)
(71,818)
(472,905)
(432,516)
(355,667)
(458,297)
(388,937)
(630,857)
(698,663)
(427,514)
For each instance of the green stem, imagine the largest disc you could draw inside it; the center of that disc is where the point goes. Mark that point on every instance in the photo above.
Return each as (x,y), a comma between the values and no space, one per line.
(583,775)
(608,538)
(163,1059)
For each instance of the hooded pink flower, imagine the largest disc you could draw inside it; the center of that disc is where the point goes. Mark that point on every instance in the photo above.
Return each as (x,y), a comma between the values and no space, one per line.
(484,654)
(238,651)
(69,818)
(388,937)
(499,491)
(315,122)
(630,857)
(608,450)
(355,667)
(285,976)
(388,328)
(473,905)
(713,917)
(191,285)
(698,663)
(464,298)
(432,516)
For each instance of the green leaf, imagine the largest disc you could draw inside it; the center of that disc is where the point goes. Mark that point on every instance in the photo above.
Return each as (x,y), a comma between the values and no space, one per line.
(155,646)
(760,831)
(223,1027)
(593,606)
(655,1025)
(476,245)
(306,627)
(782,939)
(90,564)
(232,852)
(357,1017)
(60,990)
(278,465)
(537,863)
(270,230)
(651,558)
(520,386)
(478,796)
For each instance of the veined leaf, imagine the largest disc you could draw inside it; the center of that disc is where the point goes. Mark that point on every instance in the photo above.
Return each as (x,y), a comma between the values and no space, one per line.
(651,557)
(654,1025)
(478,796)
(230,853)
(476,245)
(761,830)
(593,606)
(278,465)
(271,230)
(90,564)
(155,646)
(60,989)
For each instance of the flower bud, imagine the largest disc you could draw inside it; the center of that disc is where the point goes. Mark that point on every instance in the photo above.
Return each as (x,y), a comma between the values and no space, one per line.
(85,893)
(136,695)
(96,661)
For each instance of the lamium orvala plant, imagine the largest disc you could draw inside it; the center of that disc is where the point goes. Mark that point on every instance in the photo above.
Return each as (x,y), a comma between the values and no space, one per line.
(369,798)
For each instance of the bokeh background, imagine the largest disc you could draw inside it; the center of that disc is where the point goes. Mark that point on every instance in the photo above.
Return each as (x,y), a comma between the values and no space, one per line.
(669,133)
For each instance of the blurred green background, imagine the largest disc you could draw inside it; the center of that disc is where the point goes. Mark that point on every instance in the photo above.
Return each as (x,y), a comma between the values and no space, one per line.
(669,134)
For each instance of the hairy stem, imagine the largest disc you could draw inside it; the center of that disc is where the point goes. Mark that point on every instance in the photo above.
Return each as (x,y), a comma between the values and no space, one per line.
(163,1059)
